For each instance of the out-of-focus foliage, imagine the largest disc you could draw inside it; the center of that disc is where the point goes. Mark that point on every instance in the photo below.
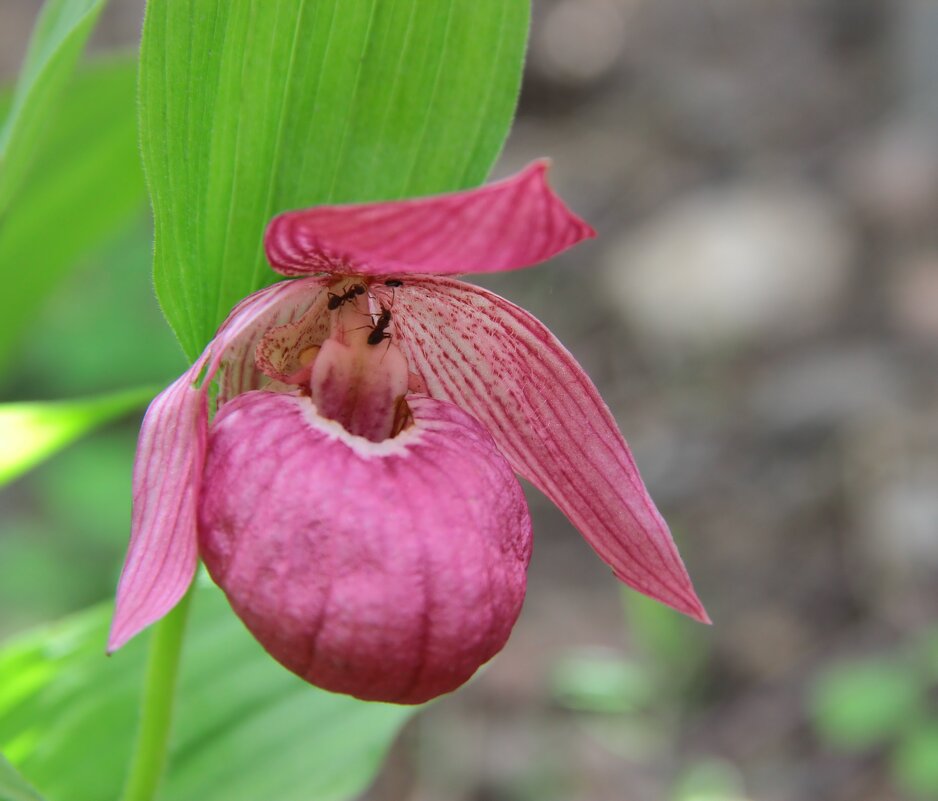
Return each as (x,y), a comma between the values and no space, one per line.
(57,41)
(676,645)
(30,432)
(246,728)
(709,780)
(249,108)
(885,705)
(102,329)
(14,787)
(600,681)
(915,761)
(64,526)
(85,186)
(857,705)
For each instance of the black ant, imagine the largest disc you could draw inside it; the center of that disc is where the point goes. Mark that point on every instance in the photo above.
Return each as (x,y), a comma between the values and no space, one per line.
(379,333)
(337,300)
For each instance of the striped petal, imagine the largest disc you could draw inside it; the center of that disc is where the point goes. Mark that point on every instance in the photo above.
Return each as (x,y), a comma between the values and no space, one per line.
(506,225)
(390,571)
(499,363)
(161,558)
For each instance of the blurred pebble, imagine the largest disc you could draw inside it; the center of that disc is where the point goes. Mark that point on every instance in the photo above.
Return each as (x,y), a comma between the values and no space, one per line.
(734,76)
(913,298)
(579,41)
(765,641)
(732,266)
(826,387)
(893,472)
(892,175)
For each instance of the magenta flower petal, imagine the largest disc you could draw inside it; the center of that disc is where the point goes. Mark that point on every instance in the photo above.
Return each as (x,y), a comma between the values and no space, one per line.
(162,556)
(496,361)
(390,571)
(161,559)
(502,226)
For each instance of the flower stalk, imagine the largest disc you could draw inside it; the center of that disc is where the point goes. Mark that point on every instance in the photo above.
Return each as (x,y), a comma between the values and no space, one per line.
(148,760)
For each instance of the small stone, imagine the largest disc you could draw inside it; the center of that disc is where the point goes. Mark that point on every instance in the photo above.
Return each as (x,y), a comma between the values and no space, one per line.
(733,266)
(892,175)
(579,41)
(913,297)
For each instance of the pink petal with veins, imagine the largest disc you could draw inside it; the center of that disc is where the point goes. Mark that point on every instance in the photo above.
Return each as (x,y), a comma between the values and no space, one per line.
(161,558)
(285,351)
(505,225)
(390,571)
(499,363)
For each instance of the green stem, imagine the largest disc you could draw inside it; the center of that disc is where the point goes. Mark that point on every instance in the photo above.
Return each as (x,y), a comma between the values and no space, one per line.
(156,710)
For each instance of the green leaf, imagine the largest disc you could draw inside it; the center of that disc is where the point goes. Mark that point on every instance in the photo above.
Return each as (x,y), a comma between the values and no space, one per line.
(250,107)
(57,41)
(915,762)
(246,728)
(856,706)
(14,787)
(33,431)
(86,185)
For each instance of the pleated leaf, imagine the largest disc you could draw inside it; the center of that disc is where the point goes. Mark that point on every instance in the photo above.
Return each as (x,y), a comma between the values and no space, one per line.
(85,186)
(251,107)
(245,729)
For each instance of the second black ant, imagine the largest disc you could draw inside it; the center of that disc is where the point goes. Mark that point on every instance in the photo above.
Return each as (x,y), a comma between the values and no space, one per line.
(337,300)
(380,331)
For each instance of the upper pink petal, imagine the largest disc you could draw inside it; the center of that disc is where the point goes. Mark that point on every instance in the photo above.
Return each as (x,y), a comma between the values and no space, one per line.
(502,365)
(161,558)
(505,225)
(389,571)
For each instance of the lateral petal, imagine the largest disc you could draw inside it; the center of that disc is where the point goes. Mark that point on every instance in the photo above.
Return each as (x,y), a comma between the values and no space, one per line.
(498,362)
(505,225)
(390,571)
(161,558)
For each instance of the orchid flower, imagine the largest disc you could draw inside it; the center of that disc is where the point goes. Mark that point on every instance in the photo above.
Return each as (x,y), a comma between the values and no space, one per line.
(353,489)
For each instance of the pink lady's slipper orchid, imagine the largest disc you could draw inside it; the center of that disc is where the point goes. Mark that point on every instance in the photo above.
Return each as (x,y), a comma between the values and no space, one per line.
(355,493)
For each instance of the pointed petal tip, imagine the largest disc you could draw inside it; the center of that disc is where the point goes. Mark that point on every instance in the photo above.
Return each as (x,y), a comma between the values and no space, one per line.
(114,643)
(700,614)
(124,629)
(687,603)
(120,634)
(539,170)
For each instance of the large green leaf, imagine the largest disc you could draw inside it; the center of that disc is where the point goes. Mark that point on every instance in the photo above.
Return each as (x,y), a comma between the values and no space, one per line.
(85,186)
(14,787)
(33,431)
(246,729)
(250,107)
(57,41)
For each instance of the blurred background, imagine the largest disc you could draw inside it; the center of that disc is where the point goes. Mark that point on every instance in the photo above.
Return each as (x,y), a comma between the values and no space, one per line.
(760,310)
